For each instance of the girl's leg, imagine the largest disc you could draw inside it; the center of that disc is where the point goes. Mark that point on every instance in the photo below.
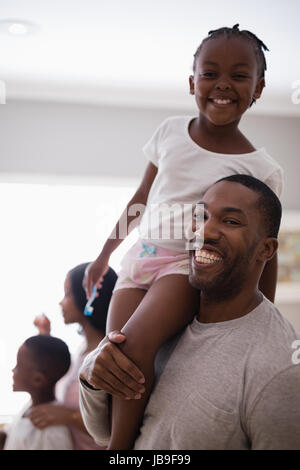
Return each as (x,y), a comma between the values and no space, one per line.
(169,305)
(122,305)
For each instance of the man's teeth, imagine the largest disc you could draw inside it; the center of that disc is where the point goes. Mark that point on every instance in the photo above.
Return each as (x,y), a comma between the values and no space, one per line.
(219,101)
(203,256)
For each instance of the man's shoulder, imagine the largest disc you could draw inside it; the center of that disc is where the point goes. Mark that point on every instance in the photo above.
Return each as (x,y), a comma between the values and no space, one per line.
(275,339)
(273,352)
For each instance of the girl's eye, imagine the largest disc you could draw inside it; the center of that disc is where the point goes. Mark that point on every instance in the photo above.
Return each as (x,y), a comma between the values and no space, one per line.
(208,74)
(239,75)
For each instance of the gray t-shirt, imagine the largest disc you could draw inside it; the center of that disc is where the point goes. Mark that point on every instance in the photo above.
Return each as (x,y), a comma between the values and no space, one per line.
(226,385)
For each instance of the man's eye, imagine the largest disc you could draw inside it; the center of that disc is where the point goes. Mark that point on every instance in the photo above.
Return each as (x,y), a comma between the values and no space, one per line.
(231,222)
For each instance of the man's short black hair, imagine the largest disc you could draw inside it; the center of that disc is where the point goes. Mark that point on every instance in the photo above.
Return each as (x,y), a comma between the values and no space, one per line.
(51,356)
(268,203)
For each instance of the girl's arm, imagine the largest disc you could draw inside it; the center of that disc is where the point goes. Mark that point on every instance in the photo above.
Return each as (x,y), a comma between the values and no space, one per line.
(268,279)
(96,270)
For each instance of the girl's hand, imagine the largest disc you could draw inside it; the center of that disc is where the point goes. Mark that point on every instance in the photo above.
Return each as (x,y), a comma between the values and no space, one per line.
(43,324)
(107,368)
(48,414)
(94,273)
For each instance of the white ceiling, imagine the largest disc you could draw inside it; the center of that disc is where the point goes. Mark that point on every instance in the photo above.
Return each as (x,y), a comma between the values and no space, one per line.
(139,52)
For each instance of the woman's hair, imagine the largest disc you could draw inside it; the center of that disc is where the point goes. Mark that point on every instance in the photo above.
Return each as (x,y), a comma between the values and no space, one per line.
(51,356)
(101,303)
(258,46)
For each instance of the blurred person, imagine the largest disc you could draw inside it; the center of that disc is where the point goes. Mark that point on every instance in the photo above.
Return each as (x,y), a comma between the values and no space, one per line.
(41,362)
(92,329)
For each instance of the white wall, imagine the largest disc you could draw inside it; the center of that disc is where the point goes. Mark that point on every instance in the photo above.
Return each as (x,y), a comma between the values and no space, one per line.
(63,138)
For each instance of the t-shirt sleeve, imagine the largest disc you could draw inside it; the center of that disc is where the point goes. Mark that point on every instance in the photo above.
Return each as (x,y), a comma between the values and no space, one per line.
(275,182)
(152,148)
(94,409)
(274,422)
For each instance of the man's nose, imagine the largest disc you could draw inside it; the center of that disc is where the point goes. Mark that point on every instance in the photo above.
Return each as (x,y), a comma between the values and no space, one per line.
(211,230)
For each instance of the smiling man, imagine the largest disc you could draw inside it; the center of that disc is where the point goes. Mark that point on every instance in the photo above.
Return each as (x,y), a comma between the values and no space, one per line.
(228,381)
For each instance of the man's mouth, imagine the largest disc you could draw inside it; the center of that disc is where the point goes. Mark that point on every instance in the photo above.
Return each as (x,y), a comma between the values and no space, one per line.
(206,257)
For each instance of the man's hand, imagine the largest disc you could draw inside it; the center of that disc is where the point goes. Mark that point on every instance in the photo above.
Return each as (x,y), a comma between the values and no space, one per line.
(107,368)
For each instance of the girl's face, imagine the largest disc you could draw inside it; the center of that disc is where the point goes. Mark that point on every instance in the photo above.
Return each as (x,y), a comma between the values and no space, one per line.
(225,79)
(70,311)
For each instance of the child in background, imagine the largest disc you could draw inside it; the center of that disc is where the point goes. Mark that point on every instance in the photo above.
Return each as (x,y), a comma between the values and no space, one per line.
(41,362)
(153,299)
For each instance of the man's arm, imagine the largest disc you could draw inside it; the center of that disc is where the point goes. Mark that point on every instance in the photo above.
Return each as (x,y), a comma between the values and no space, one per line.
(111,370)
(274,423)
(113,374)
(94,407)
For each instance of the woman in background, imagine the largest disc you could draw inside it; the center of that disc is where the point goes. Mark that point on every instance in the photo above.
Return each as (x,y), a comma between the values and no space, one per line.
(93,330)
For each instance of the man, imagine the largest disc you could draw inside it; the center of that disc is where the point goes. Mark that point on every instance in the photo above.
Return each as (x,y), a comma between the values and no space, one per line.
(229,382)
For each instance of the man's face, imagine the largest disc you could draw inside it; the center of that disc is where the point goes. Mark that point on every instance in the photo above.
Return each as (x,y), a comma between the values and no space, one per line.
(225,79)
(233,233)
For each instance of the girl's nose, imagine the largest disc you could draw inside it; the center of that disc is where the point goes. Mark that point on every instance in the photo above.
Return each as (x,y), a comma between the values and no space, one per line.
(223,85)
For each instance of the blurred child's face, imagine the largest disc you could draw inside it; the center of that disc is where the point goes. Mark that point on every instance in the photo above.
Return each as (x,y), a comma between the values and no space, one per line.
(70,311)
(25,372)
(225,79)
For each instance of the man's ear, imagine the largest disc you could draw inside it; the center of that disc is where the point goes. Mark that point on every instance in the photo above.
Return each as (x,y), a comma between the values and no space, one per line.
(259,88)
(192,84)
(268,249)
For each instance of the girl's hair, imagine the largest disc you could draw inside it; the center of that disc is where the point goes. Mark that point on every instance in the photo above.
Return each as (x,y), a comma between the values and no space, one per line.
(101,303)
(258,46)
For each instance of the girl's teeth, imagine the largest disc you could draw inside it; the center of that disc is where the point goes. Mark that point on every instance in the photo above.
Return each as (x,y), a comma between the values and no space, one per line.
(222,101)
